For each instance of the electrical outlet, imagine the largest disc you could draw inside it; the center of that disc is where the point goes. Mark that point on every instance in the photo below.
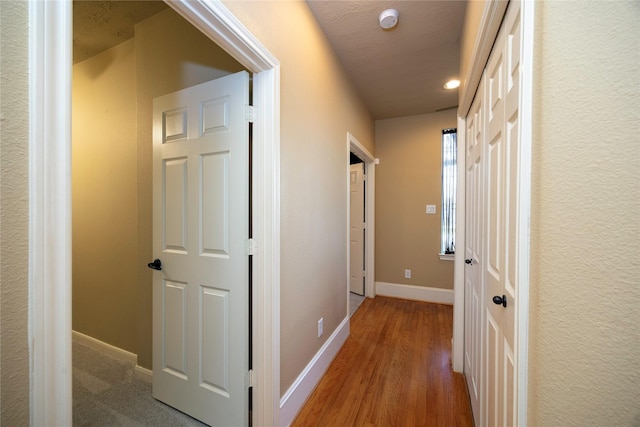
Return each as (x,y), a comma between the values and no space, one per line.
(407,274)
(320,327)
(431,209)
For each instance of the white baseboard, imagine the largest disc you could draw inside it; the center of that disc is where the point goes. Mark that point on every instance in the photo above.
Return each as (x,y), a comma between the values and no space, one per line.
(143,373)
(114,352)
(418,293)
(293,400)
(103,347)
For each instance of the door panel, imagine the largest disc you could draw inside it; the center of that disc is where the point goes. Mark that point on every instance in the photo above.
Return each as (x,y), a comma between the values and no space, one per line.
(214,218)
(200,198)
(214,309)
(509,383)
(175,204)
(175,328)
(493,377)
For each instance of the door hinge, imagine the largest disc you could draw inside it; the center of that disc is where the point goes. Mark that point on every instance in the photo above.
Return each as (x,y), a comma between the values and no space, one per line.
(250,380)
(364,273)
(250,113)
(251,247)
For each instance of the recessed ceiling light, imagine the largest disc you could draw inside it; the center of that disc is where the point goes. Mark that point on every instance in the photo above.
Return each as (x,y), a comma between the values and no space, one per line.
(452,84)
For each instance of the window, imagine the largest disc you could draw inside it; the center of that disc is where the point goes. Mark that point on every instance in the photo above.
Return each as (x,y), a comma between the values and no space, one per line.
(449,181)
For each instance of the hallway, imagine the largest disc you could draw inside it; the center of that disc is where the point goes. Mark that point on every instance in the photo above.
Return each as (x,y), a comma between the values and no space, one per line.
(394,370)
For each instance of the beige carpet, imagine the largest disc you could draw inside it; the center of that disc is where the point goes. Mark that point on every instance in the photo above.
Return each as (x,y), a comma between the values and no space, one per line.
(355,301)
(106,392)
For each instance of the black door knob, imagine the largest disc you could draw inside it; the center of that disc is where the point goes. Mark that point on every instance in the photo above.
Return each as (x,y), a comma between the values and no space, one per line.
(500,300)
(156,264)
(468,261)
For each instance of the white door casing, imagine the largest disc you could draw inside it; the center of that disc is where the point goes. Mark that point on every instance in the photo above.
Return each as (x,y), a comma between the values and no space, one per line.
(357,229)
(354,146)
(200,229)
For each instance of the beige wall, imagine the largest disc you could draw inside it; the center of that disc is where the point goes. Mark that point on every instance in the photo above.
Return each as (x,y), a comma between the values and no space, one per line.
(113,95)
(318,108)
(407,179)
(104,197)
(585,225)
(14,214)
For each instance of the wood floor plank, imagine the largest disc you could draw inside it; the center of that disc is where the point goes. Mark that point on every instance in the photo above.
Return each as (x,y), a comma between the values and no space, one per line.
(393,370)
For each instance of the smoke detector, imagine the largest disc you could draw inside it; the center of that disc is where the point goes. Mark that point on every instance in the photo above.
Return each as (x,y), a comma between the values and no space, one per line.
(388,19)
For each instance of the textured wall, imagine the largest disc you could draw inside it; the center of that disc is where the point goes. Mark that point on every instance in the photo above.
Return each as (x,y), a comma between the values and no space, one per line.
(14,214)
(408,178)
(585,321)
(318,107)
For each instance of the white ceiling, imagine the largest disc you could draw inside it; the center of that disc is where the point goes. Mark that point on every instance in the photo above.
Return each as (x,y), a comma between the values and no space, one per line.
(397,72)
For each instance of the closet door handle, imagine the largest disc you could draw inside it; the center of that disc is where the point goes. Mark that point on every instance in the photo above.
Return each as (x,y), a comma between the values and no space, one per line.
(500,300)
(468,261)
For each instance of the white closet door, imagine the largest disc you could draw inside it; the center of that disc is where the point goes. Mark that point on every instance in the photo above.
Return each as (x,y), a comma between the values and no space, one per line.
(474,292)
(501,214)
(492,200)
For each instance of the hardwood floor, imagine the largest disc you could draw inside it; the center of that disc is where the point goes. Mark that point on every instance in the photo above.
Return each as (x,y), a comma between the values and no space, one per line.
(394,370)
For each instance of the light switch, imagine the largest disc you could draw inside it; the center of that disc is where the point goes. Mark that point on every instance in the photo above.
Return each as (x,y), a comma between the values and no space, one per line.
(431,209)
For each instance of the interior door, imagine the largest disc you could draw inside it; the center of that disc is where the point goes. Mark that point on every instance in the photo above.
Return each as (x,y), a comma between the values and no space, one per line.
(200,228)
(492,227)
(357,229)
(474,285)
(502,161)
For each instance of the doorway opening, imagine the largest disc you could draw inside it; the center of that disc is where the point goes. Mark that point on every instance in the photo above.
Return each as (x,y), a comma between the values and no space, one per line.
(112,93)
(357,225)
(357,232)
(360,225)
(50,195)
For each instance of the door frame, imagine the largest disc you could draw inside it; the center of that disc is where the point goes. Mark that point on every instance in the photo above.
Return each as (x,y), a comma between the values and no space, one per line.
(489,25)
(50,64)
(354,146)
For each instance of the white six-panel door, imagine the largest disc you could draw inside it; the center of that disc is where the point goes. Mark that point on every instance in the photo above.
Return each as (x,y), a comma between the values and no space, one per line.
(356,229)
(493,123)
(200,228)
